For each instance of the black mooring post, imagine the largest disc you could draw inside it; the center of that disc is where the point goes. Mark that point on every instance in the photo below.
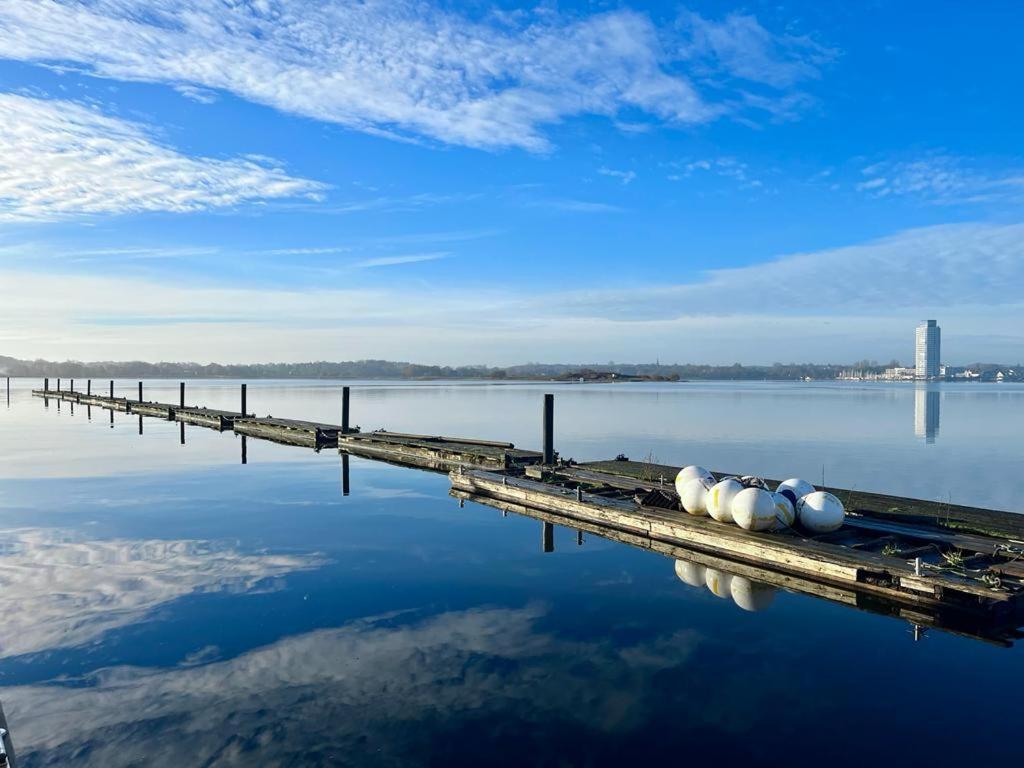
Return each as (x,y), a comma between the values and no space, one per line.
(111,389)
(88,387)
(547,537)
(549,430)
(58,385)
(46,385)
(72,388)
(181,404)
(344,412)
(344,473)
(140,391)
(243,400)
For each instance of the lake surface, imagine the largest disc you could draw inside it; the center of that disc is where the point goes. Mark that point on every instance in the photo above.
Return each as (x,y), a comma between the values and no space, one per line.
(163,604)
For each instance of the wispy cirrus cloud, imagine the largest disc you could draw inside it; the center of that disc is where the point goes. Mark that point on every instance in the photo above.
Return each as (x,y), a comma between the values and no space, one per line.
(741,47)
(942,179)
(410,70)
(391,261)
(60,158)
(572,205)
(726,167)
(624,176)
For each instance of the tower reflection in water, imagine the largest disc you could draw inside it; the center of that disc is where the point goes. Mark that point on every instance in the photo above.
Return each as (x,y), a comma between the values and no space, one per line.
(926,412)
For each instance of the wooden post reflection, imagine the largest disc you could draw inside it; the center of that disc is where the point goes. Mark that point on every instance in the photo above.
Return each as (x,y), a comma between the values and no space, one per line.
(344,475)
(547,537)
(245,451)
(140,424)
(181,431)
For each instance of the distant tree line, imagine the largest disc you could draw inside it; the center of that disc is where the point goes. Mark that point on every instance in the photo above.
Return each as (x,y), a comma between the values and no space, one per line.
(387,369)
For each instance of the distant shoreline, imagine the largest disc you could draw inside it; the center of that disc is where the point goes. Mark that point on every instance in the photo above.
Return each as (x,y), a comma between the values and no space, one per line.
(385,370)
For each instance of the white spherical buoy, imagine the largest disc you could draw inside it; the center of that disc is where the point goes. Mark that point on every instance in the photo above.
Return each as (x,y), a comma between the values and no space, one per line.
(694,495)
(693,472)
(719,499)
(800,488)
(820,512)
(753,509)
(785,512)
(718,582)
(751,595)
(690,573)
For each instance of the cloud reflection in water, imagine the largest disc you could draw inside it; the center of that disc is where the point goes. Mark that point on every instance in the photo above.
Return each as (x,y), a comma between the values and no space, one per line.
(366,688)
(60,591)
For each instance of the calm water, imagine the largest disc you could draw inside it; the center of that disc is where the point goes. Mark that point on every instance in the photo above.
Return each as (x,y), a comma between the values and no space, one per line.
(165,605)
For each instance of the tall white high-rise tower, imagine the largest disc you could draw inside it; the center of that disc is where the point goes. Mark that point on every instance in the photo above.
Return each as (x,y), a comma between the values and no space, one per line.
(926,351)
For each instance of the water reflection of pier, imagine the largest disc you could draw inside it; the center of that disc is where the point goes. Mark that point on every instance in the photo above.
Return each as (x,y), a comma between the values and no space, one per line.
(926,412)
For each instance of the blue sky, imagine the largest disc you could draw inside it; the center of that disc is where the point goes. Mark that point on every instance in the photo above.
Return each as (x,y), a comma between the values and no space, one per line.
(496,183)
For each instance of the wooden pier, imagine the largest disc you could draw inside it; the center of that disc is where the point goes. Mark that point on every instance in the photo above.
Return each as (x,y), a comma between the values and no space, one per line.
(437,453)
(945,564)
(886,576)
(206,417)
(289,431)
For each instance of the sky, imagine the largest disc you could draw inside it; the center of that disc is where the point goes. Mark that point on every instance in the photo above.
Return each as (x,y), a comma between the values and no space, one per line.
(497,183)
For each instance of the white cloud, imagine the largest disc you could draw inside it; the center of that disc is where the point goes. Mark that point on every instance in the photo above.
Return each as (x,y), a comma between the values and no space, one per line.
(60,158)
(406,69)
(624,176)
(390,261)
(942,180)
(572,205)
(743,48)
(726,167)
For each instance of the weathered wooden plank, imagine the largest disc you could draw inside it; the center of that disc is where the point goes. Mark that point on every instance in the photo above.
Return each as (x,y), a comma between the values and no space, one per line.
(307,434)
(206,417)
(400,436)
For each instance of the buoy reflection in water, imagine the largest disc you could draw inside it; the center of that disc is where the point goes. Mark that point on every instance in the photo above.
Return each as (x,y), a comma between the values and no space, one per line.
(748,594)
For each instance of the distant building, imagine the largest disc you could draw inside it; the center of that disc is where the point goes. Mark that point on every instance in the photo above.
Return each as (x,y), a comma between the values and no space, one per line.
(926,351)
(899,374)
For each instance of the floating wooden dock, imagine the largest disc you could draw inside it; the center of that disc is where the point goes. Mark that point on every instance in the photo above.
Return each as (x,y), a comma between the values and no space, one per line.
(206,417)
(289,431)
(437,452)
(163,411)
(919,565)
(941,563)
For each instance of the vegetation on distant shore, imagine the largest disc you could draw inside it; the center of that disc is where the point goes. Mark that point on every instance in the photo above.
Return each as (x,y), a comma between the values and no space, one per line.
(386,369)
